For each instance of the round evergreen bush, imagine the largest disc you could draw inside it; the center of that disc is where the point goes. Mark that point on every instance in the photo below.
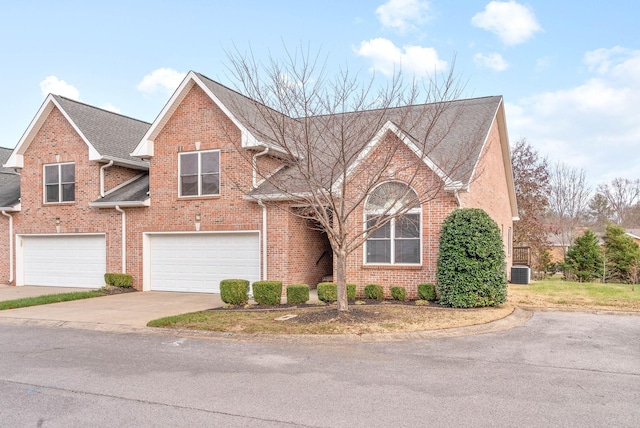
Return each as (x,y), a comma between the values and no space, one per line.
(267,292)
(471,261)
(327,292)
(234,291)
(374,291)
(427,292)
(297,294)
(399,293)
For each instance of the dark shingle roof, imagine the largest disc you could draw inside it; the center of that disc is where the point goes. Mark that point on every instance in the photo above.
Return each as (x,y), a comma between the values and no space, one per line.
(135,191)
(9,182)
(113,135)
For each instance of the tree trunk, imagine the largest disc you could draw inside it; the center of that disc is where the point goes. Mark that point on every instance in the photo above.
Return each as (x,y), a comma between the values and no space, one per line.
(341,280)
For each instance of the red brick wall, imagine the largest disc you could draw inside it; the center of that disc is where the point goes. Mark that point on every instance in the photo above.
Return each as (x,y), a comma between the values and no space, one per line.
(116,175)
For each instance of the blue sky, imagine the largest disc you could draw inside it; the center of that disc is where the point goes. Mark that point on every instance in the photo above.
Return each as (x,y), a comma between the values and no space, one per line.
(569,71)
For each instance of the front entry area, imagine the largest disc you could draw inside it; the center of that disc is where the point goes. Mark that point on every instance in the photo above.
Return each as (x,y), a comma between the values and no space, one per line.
(61,260)
(197,262)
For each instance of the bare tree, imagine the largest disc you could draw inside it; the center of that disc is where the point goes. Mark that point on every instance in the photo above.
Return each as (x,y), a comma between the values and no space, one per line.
(568,200)
(340,140)
(531,182)
(622,195)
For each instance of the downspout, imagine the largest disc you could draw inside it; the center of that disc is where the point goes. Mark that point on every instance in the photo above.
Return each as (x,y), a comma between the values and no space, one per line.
(102,168)
(255,165)
(264,239)
(4,213)
(455,194)
(124,238)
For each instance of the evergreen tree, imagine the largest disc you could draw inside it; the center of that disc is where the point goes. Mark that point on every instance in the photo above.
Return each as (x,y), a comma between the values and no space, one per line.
(584,259)
(622,255)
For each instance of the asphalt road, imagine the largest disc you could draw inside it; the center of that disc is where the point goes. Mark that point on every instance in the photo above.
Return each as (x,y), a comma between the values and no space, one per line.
(559,369)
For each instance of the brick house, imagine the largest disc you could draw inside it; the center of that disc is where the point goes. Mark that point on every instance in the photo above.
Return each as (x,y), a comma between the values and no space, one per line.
(180,205)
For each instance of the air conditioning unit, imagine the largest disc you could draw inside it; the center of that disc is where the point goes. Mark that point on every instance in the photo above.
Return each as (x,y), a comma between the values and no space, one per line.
(520,275)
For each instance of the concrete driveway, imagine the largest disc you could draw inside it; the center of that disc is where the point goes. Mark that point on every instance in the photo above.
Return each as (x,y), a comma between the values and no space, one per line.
(126,310)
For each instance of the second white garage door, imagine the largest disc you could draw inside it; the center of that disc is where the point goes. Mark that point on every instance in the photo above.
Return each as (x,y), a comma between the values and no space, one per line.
(197,262)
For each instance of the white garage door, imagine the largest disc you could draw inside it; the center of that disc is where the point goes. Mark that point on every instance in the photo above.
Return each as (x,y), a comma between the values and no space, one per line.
(197,262)
(64,260)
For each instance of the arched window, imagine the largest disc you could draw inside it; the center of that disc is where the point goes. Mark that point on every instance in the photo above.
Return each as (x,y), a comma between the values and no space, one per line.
(393,209)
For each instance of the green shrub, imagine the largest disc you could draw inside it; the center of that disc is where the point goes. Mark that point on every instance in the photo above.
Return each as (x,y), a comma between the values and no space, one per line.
(427,292)
(234,291)
(471,261)
(584,258)
(297,294)
(329,291)
(399,293)
(267,292)
(118,279)
(374,291)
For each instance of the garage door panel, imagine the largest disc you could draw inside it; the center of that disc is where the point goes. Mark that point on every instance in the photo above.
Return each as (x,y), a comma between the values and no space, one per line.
(198,262)
(64,261)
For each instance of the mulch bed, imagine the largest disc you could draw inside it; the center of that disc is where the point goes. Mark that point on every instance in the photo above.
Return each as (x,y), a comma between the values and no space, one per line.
(109,289)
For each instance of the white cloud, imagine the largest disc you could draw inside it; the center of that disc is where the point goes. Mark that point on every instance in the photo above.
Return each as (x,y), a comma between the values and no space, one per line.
(512,22)
(53,85)
(111,107)
(402,15)
(596,125)
(162,78)
(494,61)
(388,58)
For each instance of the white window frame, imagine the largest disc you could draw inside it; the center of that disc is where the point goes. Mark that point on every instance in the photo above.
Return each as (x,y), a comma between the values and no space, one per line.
(60,183)
(392,226)
(199,175)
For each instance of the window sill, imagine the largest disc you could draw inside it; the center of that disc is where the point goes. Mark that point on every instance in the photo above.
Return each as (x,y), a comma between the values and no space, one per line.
(57,204)
(198,198)
(391,267)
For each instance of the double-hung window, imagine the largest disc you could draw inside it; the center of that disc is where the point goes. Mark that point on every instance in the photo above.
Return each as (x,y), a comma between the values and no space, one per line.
(60,182)
(393,214)
(199,173)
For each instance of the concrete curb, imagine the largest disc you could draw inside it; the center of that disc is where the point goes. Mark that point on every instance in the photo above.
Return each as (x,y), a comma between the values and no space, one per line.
(517,318)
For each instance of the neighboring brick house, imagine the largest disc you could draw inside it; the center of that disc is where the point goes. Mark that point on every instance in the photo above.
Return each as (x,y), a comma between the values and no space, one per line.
(178,204)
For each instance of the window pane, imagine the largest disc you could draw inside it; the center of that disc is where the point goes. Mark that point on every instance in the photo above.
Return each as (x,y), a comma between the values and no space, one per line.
(382,232)
(407,251)
(51,174)
(379,251)
(188,164)
(52,193)
(392,196)
(408,226)
(68,192)
(68,173)
(210,162)
(210,184)
(189,186)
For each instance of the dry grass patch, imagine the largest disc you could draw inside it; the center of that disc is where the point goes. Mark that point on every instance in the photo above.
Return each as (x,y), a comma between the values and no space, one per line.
(327,320)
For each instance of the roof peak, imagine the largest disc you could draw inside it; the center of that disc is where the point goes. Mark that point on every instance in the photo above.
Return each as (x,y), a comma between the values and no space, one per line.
(100,108)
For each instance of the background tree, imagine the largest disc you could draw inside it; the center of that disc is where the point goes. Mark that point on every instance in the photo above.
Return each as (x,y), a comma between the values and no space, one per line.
(584,259)
(622,255)
(622,196)
(531,182)
(471,261)
(599,212)
(322,125)
(568,200)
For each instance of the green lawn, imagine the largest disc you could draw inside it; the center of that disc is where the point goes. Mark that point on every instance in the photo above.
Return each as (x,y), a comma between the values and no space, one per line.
(50,298)
(555,292)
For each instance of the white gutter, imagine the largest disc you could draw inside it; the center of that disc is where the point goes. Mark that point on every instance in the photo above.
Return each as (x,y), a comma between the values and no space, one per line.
(102,168)
(264,240)
(255,165)
(4,213)
(124,238)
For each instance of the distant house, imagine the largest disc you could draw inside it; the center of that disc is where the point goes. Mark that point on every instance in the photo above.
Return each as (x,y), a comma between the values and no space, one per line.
(100,192)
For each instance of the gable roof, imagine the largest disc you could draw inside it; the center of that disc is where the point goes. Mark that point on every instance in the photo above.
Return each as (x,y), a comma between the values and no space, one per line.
(134,193)
(108,135)
(9,184)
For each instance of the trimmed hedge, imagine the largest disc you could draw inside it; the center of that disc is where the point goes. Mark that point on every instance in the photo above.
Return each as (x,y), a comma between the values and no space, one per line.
(118,279)
(399,293)
(471,261)
(234,291)
(328,291)
(267,292)
(297,294)
(374,291)
(427,292)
